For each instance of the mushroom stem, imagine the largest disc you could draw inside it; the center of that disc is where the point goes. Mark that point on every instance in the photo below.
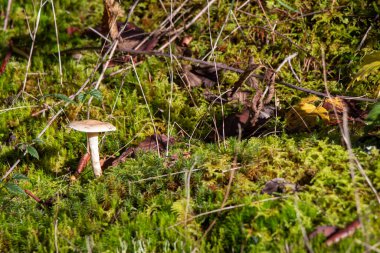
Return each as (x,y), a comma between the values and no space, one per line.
(94,150)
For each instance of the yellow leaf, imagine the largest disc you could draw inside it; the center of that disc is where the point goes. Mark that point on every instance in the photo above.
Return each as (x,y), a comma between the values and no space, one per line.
(322,112)
(309,100)
(308,108)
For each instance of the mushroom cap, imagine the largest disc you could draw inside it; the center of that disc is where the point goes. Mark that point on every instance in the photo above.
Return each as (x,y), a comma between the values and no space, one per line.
(92,126)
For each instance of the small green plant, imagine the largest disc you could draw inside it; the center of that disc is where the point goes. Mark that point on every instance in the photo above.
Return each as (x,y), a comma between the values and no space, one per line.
(91,93)
(11,185)
(29,149)
(373,118)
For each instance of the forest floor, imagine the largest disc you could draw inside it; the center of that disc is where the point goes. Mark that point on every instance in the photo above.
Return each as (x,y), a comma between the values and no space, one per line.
(242,126)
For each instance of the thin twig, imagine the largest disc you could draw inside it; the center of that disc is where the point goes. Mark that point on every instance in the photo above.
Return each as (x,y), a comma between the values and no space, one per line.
(30,194)
(34,35)
(266,17)
(102,74)
(131,10)
(147,105)
(366,34)
(100,35)
(9,5)
(215,44)
(56,235)
(179,31)
(303,230)
(162,25)
(56,35)
(16,108)
(237,70)
(344,129)
(225,209)
(226,195)
(188,188)
(368,246)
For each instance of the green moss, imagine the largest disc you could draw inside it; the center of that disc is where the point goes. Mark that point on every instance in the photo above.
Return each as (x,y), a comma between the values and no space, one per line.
(142,205)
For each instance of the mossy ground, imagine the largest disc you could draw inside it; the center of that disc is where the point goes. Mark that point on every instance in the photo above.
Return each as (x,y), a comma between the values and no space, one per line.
(141,205)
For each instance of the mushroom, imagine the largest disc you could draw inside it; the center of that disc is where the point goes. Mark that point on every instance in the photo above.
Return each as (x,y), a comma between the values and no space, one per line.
(93,128)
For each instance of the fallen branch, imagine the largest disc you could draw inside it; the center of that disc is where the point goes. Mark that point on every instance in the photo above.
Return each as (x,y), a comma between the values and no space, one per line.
(224,67)
(241,71)
(30,194)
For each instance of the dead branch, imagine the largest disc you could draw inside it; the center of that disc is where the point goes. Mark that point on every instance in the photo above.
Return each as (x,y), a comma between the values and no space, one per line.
(223,66)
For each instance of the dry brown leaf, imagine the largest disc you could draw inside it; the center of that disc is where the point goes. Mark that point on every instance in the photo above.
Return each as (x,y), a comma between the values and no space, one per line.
(151,143)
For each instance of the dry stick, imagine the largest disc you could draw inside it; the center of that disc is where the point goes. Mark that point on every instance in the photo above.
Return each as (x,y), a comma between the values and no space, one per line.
(213,47)
(102,74)
(243,4)
(30,194)
(240,71)
(99,34)
(226,195)
(303,230)
(344,132)
(368,246)
(176,173)
(56,235)
(163,6)
(29,29)
(287,59)
(237,28)
(131,10)
(162,25)
(366,34)
(9,5)
(147,105)
(352,158)
(243,78)
(31,49)
(56,35)
(187,189)
(293,71)
(211,53)
(16,108)
(179,31)
(171,77)
(82,87)
(266,17)
(221,106)
(225,209)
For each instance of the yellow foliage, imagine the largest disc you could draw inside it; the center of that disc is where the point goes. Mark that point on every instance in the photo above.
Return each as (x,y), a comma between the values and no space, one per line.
(307,113)
(308,108)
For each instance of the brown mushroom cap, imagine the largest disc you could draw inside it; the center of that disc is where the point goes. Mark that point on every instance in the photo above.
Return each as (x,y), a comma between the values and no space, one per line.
(92,126)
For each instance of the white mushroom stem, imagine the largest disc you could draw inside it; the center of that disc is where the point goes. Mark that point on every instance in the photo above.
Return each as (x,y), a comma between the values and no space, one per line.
(94,150)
